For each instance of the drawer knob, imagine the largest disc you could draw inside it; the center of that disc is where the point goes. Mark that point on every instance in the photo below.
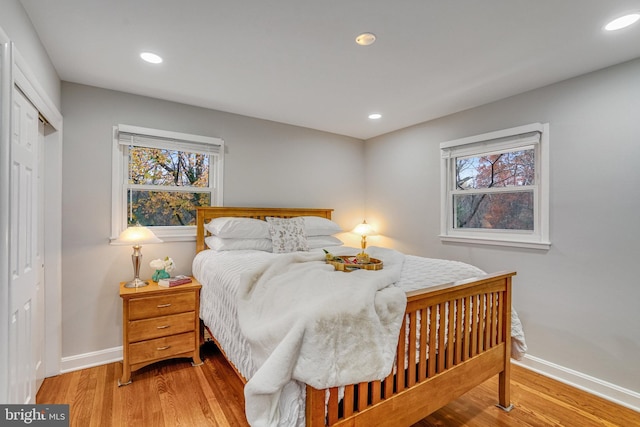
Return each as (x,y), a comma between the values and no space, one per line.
(166,347)
(164,305)
(162,327)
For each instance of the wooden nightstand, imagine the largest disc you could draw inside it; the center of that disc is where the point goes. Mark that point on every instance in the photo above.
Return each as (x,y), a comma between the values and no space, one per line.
(159,323)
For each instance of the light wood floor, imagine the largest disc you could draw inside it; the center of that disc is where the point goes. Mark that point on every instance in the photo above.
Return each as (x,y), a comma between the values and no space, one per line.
(173,393)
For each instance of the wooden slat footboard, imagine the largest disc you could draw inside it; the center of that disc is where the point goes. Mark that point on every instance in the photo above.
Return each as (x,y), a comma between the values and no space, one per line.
(454,337)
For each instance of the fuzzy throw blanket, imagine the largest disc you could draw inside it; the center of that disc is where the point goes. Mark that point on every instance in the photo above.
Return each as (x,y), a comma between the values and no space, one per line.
(306,322)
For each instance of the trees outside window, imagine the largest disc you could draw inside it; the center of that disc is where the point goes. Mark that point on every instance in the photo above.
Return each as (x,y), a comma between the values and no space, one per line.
(160,177)
(495,191)
(165,186)
(495,188)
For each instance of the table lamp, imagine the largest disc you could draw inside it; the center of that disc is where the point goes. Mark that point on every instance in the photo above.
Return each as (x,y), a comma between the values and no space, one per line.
(137,236)
(363,230)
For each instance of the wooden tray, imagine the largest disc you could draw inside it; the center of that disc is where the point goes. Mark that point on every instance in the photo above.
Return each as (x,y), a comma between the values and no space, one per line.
(351,264)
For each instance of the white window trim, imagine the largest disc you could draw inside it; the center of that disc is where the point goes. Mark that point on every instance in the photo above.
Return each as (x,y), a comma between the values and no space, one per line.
(539,238)
(120,165)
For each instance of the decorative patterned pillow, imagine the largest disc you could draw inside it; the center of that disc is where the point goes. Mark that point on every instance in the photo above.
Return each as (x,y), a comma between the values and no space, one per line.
(287,234)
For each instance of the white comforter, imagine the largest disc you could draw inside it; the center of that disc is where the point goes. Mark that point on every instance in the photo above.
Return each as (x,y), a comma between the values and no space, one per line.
(221,272)
(305,322)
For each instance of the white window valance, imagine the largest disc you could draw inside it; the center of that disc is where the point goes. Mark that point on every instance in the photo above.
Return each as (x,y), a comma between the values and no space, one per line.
(153,138)
(492,146)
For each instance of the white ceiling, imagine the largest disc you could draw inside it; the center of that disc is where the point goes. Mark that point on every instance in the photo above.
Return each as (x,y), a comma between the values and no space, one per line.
(296,61)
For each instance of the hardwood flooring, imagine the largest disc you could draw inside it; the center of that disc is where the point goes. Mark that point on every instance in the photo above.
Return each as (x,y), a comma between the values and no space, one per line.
(173,393)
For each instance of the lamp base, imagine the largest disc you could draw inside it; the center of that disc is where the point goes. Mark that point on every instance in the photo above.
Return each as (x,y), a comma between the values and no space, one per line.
(136,283)
(363,258)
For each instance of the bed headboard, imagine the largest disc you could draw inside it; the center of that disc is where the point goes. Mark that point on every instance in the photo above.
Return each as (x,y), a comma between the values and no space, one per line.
(206,214)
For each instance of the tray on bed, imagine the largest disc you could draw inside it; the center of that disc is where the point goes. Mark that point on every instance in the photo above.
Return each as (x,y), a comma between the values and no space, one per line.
(349,263)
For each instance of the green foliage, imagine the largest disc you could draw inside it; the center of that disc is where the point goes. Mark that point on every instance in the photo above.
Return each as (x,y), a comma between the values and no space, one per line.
(169,171)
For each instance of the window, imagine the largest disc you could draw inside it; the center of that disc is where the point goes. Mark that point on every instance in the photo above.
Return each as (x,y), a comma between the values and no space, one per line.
(495,188)
(159,177)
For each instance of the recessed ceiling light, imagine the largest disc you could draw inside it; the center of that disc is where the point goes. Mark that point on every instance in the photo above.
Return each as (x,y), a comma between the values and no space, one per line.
(375,116)
(622,22)
(151,57)
(366,39)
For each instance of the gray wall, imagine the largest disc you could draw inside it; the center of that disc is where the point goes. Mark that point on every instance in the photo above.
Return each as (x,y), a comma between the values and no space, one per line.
(266,164)
(16,24)
(578,301)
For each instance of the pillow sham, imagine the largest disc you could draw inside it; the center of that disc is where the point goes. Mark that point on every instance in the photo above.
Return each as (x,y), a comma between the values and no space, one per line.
(316,242)
(287,234)
(318,226)
(232,244)
(238,228)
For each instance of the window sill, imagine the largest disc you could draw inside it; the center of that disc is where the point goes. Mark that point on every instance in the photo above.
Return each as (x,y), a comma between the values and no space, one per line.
(166,238)
(177,237)
(497,242)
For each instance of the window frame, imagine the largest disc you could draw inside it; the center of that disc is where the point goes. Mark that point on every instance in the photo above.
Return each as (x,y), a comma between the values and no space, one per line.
(120,177)
(508,139)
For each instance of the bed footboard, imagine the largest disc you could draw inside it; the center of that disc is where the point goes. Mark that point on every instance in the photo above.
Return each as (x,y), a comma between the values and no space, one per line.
(454,337)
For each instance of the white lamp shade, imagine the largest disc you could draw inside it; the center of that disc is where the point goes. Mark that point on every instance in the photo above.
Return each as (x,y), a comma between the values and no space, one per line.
(364,229)
(137,235)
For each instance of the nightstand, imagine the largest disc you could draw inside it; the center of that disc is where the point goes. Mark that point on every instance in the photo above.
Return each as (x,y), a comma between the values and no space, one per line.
(159,323)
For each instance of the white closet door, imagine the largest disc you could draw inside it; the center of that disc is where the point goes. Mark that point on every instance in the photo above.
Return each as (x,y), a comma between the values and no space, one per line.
(5,108)
(38,353)
(24,265)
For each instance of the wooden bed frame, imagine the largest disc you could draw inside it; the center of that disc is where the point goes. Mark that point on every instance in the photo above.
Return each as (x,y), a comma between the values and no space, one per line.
(467,341)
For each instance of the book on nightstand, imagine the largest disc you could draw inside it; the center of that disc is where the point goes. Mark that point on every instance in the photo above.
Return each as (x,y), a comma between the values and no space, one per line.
(174,281)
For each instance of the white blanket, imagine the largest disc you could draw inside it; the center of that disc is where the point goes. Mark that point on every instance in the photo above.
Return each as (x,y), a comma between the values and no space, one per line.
(306,322)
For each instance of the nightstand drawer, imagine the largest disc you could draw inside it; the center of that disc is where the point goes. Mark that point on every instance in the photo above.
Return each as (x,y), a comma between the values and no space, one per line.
(161,348)
(155,327)
(161,305)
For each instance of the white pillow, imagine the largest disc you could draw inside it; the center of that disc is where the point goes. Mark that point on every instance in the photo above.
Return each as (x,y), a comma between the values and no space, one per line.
(230,244)
(238,228)
(318,226)
(316,242)
(287,234)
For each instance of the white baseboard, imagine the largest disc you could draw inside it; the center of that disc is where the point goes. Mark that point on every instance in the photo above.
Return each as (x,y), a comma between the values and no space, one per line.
(89,360)
(606,390)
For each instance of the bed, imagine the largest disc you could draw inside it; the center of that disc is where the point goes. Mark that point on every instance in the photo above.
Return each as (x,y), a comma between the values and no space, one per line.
(467,328)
